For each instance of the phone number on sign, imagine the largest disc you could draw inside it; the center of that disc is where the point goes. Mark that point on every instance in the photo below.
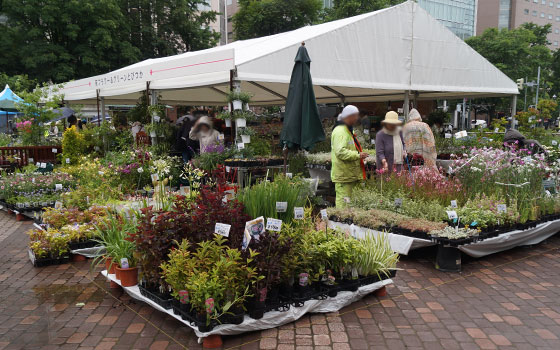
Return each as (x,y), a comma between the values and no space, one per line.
(119,78)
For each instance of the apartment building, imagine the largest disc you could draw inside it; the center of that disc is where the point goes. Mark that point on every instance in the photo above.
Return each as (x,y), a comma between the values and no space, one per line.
(513,13)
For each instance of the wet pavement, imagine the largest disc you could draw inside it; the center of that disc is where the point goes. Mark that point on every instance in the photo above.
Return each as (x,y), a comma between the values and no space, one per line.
(509,300)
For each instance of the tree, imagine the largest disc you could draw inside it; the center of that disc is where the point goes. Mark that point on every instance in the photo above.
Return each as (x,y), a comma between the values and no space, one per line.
(349,8)
(257,18)
(60,40)
(18,83)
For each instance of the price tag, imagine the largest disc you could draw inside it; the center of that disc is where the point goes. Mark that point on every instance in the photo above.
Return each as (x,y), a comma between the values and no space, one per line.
(497,130)
(554,142)
(451,214)
(221,137)
(372,141)
(398,202)
(460,134)
(67,160)
(548,194)
(58,205)
(298,213)
(400,110)
(54,150)
(155,177)
(447,135)
(273,224)
(33,180)
(58,187)
(281,207)
(100,173)
(502,208)
(43,165)
(324,214)
(228,169)
(453,204)
(366,131)
(124,263)
(157,118)
(31,160)
(240,146)
(222,229)
(289,175)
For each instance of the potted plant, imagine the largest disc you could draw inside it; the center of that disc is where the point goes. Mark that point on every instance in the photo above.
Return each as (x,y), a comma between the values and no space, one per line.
(238,99)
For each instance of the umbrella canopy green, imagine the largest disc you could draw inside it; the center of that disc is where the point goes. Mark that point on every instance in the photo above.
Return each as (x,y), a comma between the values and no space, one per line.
(302,126)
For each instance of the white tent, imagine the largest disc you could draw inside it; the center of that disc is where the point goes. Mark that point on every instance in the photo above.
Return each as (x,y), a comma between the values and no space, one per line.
(378,56)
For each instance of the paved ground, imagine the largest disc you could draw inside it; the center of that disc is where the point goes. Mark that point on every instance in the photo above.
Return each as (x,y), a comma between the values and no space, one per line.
(506,301)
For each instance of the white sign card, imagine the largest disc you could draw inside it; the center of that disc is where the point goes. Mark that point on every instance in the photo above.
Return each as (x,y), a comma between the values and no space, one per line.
(497,129)
(281,207)
(554,142)
(222,229)
(324,214)
(447,135)
(43,165)
(54,150)
(273,224)
(454,204)
(289,175)
(451,214)
(241,145)
(67,160)
(221,137)
(31,160)
(155,177)
(366,131)
(253,229)
(502,208)
(372,141)
(299,213)
(228,169)
(460,134)
(58,187)
(58,205)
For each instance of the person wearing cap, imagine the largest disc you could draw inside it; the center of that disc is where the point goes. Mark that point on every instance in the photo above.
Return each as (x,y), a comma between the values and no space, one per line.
(347,157)
(419,139)
(389,144)
(203,132)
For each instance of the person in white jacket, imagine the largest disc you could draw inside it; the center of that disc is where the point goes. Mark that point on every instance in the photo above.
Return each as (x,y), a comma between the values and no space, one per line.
(205,134)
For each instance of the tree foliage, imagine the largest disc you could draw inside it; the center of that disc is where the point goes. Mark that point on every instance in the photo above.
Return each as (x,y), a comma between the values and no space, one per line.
(18,83)
(349,8)
(60,40)
(257,18)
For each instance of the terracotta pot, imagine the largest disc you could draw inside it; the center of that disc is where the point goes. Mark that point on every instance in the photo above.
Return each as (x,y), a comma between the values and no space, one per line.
(109,266)
(128,277)
(78,257)
(117,272)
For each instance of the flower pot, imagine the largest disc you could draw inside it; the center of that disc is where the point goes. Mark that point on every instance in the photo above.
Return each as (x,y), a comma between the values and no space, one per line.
(109,266)
(117,272)
(228,123)
(241,123)
(246,138)
(129,277)
(237,105)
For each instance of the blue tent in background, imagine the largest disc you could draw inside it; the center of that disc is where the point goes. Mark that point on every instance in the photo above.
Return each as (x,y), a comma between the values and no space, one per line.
(8,101)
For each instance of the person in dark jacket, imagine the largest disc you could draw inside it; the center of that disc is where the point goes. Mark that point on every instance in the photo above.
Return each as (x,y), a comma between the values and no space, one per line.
(184,144)
(514,138)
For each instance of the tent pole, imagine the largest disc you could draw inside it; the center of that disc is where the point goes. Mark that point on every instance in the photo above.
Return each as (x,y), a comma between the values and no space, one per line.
(98,117)
(406,104)
(103,107)
(513,110)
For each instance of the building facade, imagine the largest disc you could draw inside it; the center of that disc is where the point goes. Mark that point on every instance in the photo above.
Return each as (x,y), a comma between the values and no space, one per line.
(457,15)
(511,14)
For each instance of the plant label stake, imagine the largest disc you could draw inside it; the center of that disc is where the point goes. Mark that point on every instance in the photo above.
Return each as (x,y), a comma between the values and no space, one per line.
(273,224)
(43,165)
(324,215)
(447,135)
(30,160)
(454,204)
(155,177)
(366,131)
(497,129)
(240,146)
(451,214)
(67,160)
(554,142)
(54,150)
(372,141)
(124,263)
(228,169)
(222,229)
(398,202)
(58,187)
(281,207)
(502,208)
(33,180)
(221,137)
(58,205)
(298,213)
(289,175)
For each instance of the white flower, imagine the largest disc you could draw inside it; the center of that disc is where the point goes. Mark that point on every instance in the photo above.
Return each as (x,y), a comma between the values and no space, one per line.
(140,170)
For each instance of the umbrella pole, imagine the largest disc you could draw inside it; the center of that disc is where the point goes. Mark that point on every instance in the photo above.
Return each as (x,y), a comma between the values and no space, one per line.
(285,152)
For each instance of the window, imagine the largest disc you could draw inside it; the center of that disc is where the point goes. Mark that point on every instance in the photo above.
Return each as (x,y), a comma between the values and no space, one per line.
(556,43)
(534,13)
(542,14)
(549,16)
(556,31)
(535,1)
(543,2)
(551,4)
(558,5)
(526,11)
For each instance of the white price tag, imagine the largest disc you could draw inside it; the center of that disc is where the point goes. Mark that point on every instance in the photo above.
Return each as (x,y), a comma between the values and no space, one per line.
(398,202)
(324,214)
(228,169)
(100,173)
(58,205)
(400,110)
(289,175)
(155,177)
(497,130)
(222,229)
(281,207)
(58,187)
(451,214)
(554,142)
(372,141)
(502,208)
(67,160)
(460,134)
(447,135)
(241,145)
(366,131)
(31,160)
(299,213)
(453,204)
(156,118)
(273,224)
(43,165)
(221,137)
(33,180)
(54,150)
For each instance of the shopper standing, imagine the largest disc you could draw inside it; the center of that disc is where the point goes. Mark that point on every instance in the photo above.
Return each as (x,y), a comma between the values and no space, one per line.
(389,145)
(348,167)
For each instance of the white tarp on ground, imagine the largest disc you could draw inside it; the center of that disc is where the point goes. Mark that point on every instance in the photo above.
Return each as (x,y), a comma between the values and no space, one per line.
(399,243)
(371,57)
(270,319)
(512,239)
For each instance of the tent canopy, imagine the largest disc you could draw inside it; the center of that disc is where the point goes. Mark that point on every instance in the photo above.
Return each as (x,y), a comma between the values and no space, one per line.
(376,56)
(8,99)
